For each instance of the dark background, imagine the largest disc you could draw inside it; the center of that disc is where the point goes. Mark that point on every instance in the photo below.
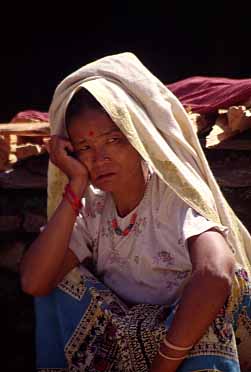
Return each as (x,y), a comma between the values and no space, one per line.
(38,49)
(174,41)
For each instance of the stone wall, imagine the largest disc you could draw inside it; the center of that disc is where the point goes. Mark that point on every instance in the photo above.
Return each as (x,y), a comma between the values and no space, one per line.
(22,213)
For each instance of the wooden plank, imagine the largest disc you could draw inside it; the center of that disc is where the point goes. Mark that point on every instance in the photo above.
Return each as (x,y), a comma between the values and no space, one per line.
(218,134)
(25,129)
(222,137)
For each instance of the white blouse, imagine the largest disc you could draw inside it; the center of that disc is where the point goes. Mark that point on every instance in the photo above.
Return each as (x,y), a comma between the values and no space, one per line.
(151,264)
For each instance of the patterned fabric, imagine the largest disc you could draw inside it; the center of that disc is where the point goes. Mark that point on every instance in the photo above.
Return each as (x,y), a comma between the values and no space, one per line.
(103,334)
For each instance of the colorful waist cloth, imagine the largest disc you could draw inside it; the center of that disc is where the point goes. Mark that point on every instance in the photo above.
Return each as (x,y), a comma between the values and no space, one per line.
(83,326)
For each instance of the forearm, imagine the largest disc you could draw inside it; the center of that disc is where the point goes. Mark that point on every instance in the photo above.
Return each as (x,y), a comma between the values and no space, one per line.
(201,301)
(43,260)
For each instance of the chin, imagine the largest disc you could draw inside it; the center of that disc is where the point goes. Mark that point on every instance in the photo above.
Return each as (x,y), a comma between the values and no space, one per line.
(104,186)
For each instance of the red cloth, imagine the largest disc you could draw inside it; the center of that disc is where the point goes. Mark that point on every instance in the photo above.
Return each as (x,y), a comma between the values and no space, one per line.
(200,93)
(208,94)
(30,115)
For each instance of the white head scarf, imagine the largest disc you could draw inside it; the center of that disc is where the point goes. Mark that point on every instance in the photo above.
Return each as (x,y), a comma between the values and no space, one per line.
(157,125)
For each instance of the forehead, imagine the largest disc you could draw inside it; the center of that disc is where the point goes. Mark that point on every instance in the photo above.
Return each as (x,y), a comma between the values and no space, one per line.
(91,124)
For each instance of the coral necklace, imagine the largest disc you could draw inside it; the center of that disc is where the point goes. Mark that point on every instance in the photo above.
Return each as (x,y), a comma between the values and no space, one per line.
(126,231)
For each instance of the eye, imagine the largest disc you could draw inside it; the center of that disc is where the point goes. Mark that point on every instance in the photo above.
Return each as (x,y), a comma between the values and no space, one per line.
(113,139)
(84,148)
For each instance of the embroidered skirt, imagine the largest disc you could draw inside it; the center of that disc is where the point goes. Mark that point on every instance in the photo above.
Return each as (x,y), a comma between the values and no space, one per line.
(83,326)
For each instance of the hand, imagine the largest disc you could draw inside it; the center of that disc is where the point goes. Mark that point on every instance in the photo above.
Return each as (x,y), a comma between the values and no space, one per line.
(58,149)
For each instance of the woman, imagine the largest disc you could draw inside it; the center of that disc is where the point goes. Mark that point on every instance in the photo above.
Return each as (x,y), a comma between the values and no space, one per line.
(170,255)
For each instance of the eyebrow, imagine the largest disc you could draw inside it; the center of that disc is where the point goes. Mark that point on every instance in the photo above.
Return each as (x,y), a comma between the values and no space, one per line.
(113,129)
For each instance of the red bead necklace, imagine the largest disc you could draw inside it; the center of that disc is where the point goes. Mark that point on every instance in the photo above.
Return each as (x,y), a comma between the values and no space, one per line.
(126,231)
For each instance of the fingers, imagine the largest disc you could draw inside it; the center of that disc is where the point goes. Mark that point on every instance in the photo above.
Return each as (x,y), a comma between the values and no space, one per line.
(58,149)
(57,146)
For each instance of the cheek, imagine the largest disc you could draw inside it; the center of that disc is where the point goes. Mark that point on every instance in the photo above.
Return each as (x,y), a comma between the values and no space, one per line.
(133,158)
(85,160)
(130,162)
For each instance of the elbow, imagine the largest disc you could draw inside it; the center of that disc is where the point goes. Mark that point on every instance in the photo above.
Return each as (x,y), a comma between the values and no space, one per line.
(223,282)
(220,279)
(32,289)
(25,280)
(27,287)
(30,286)
(227,273)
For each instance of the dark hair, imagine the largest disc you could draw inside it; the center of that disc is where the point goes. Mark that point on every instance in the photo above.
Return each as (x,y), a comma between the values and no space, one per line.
(81,102)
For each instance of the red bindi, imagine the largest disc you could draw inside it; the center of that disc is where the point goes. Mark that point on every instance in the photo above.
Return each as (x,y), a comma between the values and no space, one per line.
(91,133)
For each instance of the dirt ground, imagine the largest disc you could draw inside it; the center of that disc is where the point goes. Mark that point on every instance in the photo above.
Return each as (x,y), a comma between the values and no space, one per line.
(16,308)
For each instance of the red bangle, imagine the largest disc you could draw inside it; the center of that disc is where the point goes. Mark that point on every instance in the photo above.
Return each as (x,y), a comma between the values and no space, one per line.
(69,190)
(66,197)
(72,198)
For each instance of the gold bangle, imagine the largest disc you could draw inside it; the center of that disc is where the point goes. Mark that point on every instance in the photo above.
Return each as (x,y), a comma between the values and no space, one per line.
(174,347)
(171,358)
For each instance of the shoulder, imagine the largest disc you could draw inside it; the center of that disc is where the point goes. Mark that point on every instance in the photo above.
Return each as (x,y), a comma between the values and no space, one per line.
(172,210)
(159,190)
(165,201)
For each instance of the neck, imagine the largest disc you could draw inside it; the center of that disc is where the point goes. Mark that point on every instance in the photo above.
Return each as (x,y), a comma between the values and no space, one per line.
(130,197)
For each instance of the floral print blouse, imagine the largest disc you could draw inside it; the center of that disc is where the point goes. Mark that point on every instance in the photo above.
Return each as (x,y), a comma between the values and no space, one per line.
(151,264)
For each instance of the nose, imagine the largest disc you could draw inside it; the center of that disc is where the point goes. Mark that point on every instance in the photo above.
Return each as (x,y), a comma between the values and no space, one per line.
(100,155)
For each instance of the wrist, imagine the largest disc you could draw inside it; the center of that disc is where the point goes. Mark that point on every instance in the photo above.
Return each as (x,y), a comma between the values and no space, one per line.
(79,186)
(72,198)
(172,346)
(173,353)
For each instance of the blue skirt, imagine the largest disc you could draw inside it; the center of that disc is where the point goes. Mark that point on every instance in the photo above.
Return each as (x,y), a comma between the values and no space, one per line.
(83,326)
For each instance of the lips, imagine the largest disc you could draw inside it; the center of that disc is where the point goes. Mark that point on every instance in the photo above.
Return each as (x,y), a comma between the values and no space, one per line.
(104,175)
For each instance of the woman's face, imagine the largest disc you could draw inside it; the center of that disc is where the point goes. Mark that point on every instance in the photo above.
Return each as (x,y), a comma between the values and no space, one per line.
(99,144)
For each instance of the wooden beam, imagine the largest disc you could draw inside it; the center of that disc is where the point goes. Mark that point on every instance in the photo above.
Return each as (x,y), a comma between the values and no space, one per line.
(30,129)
